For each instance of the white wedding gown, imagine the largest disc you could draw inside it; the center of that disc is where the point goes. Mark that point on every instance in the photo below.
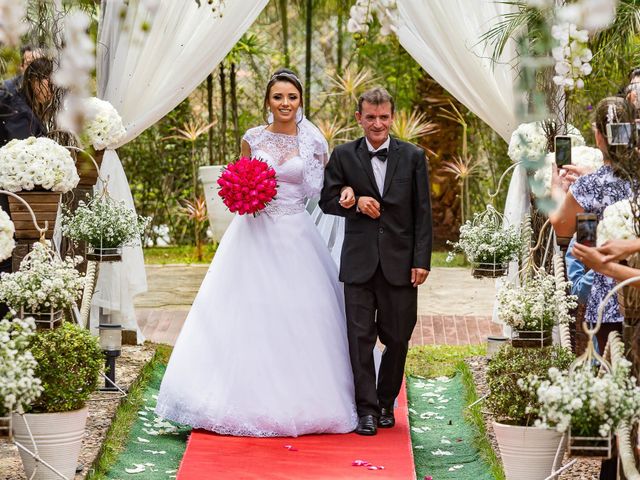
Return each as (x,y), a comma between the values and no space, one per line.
(264,350)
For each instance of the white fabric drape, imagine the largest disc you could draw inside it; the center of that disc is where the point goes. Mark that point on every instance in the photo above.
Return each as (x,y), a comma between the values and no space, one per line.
(145,75)
(443,36)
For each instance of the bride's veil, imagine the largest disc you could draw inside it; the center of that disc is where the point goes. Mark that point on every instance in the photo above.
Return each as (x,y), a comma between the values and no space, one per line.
(331,227)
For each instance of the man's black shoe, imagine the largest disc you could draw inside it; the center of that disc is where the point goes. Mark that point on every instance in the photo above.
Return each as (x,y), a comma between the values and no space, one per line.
(386,419)
(367,425)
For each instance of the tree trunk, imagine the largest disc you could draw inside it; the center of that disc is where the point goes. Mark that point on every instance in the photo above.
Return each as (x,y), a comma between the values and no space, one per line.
(340,42)
(223,115)
(284,21)
(234,104)
(307,91)
(210,116)
(448,193)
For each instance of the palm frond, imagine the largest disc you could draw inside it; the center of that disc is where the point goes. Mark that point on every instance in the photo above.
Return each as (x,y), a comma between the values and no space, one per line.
(411,126)
(525,17)
(196,210)
(352,82)
(461,167)
(191,130)
(333,130)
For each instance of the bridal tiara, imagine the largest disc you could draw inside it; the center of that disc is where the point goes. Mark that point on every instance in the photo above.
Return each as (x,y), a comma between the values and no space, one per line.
(285,74)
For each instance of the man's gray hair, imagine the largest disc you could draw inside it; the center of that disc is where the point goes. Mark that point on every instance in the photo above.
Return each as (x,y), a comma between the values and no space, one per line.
(376,96)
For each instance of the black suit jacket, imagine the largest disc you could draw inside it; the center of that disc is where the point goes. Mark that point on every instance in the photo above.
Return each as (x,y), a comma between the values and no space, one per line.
(401,238)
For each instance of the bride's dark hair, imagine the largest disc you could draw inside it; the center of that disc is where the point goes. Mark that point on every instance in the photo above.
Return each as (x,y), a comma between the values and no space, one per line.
(283,75)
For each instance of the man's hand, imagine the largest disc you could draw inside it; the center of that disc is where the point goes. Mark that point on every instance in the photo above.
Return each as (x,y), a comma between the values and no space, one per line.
(617,250)
(347,197)
(418,276)
(369,206)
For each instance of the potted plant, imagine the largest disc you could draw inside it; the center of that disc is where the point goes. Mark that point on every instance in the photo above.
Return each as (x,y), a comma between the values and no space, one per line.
(533,308)
(588,404)
(487,244)
(19,386)
(527,452)
(69,361)
(44,285)
(39,170)
(105,225)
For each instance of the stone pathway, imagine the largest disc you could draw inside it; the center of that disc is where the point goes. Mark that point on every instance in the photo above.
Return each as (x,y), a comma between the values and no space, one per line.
(453,307)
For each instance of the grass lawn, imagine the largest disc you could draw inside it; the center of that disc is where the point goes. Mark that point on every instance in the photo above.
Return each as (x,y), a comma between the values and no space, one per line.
(430,361)
(187,254)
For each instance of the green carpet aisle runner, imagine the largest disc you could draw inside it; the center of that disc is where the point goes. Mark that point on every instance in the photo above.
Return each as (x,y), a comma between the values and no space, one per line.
(443,443)
(155,447)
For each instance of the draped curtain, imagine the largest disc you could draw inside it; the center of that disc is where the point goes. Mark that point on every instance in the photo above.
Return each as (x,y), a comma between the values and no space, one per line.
(443,36)
(145,74)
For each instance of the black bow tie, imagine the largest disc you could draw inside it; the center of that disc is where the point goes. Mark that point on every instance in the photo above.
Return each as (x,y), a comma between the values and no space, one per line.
(381,154)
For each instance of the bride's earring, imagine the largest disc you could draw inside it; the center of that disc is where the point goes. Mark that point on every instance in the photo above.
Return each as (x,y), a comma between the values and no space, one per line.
(299,114)
(270,117)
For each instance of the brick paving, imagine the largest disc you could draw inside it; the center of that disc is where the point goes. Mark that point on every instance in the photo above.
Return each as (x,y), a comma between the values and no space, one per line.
(163,326)
(453,308)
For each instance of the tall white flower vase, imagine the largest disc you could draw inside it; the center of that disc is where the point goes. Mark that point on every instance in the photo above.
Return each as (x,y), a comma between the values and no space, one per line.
(219,216)
(528,453)
(57,438)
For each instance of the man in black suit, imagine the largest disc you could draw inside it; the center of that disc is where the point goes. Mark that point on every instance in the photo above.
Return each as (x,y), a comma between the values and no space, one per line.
(386,253)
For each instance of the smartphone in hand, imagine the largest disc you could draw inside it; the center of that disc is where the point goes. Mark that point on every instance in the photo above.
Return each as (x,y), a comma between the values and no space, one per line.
(586,229)
(563,150)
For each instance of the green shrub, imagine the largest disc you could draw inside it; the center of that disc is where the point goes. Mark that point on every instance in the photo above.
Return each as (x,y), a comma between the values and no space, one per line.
(69,362)
(507,401)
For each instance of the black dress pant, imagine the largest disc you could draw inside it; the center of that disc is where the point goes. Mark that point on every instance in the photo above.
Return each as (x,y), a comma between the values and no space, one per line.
(378,309)
(5,266)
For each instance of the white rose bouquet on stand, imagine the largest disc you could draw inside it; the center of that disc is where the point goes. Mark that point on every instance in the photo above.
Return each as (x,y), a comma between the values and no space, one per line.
(7,229)
(103,126)
(618,223)
(25,164)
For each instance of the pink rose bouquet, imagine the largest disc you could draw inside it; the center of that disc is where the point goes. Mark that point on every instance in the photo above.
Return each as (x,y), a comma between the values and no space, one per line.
(247,185)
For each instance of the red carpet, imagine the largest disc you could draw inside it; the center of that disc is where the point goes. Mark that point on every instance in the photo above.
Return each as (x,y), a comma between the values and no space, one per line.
(313,457)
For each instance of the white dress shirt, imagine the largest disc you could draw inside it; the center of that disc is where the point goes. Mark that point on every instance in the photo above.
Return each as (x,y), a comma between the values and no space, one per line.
(379,167)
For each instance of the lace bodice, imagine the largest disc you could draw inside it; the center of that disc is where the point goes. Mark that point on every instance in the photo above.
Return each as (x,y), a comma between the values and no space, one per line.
(298,163)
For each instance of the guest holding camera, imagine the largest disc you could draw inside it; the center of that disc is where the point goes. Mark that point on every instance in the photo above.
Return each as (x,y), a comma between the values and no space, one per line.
(594,192)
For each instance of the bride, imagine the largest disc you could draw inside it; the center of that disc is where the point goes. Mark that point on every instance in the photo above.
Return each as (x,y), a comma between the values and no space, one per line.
(264,350)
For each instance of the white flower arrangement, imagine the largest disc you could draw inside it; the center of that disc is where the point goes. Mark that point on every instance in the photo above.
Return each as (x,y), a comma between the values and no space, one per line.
(43,283)
(588,158)
(484,240)
(528,142)
(40,161)
(589,404)
(582,156)
(14,24)
(103,126)
(537,305)
(104,223)
(572,56)
(18,385)
(618,223)
(361,15)
(7,229)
